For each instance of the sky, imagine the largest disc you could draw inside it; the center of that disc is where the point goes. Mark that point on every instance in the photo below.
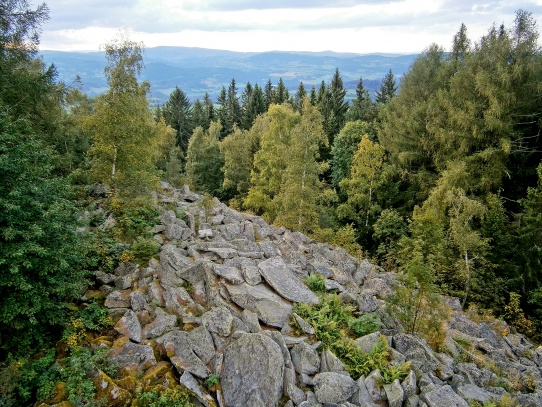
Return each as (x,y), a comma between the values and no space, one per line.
(357,26)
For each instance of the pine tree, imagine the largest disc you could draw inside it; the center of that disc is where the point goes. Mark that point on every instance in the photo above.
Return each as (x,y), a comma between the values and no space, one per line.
(387,90)
(362,107)
(178,114)
(254,108)
(300,95)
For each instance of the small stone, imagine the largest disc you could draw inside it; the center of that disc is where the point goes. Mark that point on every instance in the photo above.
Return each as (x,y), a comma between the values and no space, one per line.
(218,320)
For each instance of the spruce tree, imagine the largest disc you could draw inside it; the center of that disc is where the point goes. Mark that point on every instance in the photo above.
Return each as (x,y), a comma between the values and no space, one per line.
(387,90)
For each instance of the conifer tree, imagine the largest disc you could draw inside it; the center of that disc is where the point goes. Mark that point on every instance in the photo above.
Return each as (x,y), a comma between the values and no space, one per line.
(177,113)
(387,90)
(362,107)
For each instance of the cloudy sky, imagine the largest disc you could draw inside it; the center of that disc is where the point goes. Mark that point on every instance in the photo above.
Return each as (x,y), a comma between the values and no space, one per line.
(360,26)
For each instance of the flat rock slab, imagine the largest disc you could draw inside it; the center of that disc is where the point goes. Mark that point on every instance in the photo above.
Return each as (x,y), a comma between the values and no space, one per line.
(253,372)
(270,308)
(179,349)
(282,278)
(444,397)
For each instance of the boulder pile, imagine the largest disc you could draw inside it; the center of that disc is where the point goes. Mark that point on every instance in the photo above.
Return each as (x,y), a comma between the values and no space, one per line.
(219,301)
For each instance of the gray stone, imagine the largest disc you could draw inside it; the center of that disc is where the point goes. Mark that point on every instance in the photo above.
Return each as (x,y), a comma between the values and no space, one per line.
(332,285)
(161,324)
(471,392)
(253,372)
(251,321)
(330,363)
(279,340)
(281,277)
(530,400)
(269,249)
(118,299)
(129,326)
(372,382)
(321,268)
(218,320)
(138,301)
(176,298)
(140,356)
(305,359)
(417,351)
(178,345)
(304,325)
(444,397)
(409,384)
(124,282)
(379,286)
(290,388)
(188,381)
(156,293)
(367,302)
(223,253)
(332,387)
(231,274)
(251,274)
(171,260)
(368,342)
(270,308)
(201,342)
(394,394)
(412,401)
(361,396)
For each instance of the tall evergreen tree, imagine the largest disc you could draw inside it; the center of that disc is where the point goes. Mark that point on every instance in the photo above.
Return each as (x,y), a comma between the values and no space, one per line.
(177,113)
(300,95)
(254,108)
(387,90)
(362,107)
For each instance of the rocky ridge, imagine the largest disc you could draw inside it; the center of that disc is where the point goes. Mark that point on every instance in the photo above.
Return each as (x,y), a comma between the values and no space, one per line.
(219,300)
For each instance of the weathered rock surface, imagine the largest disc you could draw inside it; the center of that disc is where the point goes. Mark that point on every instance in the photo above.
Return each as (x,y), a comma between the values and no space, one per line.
(253,372)
(332,387)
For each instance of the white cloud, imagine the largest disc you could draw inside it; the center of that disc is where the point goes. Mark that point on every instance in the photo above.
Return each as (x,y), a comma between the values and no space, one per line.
(339,25)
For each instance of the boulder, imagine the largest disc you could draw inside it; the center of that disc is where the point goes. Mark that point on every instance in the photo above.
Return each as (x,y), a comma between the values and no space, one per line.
(253,372)
(231,274)
(108,392)
(218,320)
(394,394)
(126,353)
(129,326)
(305,359)
(188,381)
(280,276)
(161,324)
(417,351)
(471,392)
(181,355)
(270,308)
(332,387)
(202,344)
(444,397)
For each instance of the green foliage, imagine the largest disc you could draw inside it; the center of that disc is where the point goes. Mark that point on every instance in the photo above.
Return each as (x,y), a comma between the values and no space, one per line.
(331,320)
(212,380)
(134,216)
(515,316)
(204,160)
(42,256)
(365,324)
(171,397)
(316,282)
(124,134)
(143,249)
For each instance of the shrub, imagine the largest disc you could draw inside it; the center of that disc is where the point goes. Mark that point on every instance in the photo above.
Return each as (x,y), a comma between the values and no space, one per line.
(316,283)
(365,324)
(143,249)
(171,397)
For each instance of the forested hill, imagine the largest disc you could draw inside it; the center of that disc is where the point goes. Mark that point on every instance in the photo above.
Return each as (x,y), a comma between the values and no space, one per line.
(198,70)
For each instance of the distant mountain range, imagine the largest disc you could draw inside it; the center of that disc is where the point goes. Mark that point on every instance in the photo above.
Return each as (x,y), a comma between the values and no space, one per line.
(198,70)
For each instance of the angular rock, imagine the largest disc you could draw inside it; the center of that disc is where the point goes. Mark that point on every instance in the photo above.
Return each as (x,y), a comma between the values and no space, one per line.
(253,372)
(188,381)
(444,397)
(129,326)
(361,396)
(156,293)
(251,274)
(141,357)
(291,390)
(409,385)
(161,324)
(368,342)
(201,342)
(330,363)
(231,274)
(218,320)
(367,302)
(270,308)
(304,325)
(417,351)
(332,387)
(305,359)
(181,355)
(138,301)
(281,277)
(394,394)
(269,249)
(471,392)
(171,260)
(372,383)
(251,321)
(118,299)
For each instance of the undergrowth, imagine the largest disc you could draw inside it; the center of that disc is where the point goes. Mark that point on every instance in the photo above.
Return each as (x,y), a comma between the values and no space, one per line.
(335,326)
